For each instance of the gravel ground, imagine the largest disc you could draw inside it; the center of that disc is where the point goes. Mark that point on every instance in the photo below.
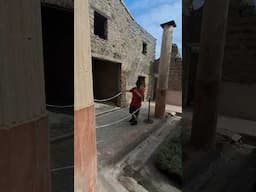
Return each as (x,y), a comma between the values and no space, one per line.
(231,168)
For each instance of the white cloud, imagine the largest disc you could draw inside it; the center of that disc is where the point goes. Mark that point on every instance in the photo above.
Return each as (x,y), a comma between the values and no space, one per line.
(150,14)
(150,19)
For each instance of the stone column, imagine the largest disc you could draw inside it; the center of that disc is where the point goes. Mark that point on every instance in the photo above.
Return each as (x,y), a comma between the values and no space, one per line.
(164,64)
(85,131)
(209,72)
(24,139)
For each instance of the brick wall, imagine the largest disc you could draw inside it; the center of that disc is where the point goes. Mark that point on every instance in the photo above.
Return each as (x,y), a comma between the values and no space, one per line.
(175,71)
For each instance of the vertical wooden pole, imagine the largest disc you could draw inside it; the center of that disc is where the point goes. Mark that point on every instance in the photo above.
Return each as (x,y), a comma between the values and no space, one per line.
(209,72)
(85,131)
(24,139)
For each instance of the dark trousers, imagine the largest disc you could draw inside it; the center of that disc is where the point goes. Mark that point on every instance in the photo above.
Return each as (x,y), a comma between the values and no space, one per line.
(136,115)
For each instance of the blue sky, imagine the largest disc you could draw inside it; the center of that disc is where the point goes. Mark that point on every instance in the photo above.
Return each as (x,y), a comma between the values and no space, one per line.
(151,13)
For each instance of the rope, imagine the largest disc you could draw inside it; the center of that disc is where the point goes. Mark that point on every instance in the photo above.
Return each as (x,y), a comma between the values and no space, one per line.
(95,100)
(62,137)
(62,168)
(102,126)
(106,112)
(60,106)
(119,121)
(97,127)
(108,99)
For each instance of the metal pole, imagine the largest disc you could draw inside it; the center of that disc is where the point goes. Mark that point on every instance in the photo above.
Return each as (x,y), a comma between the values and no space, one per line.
(149,107)
(148,120)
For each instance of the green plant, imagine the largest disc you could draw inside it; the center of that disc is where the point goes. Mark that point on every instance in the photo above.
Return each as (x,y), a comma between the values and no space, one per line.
(169,158)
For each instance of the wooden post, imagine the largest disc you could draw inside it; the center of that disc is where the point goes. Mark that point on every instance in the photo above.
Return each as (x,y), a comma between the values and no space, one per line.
(185,51)
(164,64)
(209,72)
(24,139)
(84,123)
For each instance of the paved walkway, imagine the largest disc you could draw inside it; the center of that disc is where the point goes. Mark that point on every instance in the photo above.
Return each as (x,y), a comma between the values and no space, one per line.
(113,142)
(237,125)
(231,168)
(170,108)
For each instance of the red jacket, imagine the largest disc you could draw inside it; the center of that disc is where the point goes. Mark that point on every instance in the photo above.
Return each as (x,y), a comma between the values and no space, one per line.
(137,97)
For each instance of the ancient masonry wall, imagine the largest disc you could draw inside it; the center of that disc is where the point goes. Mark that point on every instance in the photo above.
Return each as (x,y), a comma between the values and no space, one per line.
(238,89)
(174,93)
(124,44)
(175,71)
(240,51)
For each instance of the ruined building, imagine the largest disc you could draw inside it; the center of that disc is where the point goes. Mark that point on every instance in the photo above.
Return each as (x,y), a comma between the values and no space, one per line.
(121,49)
(174,93)
(37,67)
(238,88)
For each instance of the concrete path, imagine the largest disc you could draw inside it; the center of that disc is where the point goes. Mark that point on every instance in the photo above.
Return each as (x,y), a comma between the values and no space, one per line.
(113,142)
(231,168)
(169,108)
(237,125)
(138,157)
(234,170)
(114,178)
(101,108)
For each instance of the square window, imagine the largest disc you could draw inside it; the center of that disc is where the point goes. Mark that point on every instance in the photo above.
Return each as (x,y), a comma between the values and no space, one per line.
(100,25)
(144,48)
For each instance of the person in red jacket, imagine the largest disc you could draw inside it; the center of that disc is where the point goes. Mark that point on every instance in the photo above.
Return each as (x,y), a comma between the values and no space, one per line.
(137,98)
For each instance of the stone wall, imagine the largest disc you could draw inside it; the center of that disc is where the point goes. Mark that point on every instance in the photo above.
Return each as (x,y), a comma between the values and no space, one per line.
(175,71)
(240,51)
(174,92)
(238,89)
(124,43)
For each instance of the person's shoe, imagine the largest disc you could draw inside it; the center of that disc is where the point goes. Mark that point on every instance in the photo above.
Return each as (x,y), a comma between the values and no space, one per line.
(131,120)
(134,123)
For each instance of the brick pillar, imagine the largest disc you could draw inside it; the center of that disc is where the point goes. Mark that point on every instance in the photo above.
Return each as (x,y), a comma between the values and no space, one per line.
(24,140)
(164,64)
(85,132)
(209,72)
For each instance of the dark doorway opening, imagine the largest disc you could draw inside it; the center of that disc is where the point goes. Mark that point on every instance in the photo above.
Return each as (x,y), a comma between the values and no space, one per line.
(58,49)
(106,80)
